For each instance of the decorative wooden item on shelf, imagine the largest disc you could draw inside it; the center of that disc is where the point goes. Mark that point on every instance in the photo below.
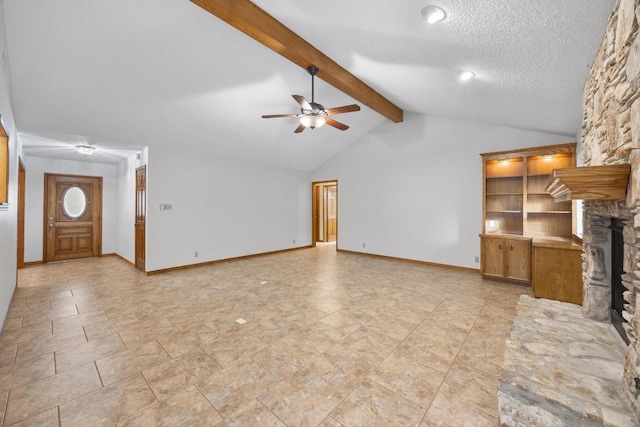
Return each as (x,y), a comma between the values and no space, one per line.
(608,182)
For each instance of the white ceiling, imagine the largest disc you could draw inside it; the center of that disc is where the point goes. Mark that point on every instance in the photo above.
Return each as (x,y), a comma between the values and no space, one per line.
(133,73)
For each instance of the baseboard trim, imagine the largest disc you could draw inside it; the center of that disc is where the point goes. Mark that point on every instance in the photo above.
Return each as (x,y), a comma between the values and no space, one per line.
(118,256)
(414,261)
(218,261)
(26,264)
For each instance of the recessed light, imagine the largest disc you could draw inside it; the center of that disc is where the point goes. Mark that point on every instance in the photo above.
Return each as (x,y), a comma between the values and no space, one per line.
(86,150)
(465,75)
(433,14)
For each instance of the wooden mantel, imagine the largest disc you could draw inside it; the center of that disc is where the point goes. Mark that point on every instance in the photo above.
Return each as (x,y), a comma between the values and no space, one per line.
(607,182)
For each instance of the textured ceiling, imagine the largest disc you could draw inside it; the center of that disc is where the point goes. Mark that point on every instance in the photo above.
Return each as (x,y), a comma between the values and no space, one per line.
(166,73)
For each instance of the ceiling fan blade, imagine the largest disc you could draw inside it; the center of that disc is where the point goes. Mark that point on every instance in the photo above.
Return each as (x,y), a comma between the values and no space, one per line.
(336,124)
(300,128)
(343,109)
(275,116)
(302,101)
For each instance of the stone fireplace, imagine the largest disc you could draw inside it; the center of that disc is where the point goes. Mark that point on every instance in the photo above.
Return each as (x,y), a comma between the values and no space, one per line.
(611,135)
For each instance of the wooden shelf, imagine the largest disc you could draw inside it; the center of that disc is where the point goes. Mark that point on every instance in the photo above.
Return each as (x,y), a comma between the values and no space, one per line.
(507,212)
(549,212)
(589,183)
(508,194)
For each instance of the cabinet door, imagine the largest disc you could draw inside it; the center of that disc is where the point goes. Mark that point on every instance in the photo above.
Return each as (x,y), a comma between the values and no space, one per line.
(493,257)
(518,253)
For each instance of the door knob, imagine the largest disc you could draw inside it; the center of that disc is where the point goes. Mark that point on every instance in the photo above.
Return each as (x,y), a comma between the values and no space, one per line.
(50,225)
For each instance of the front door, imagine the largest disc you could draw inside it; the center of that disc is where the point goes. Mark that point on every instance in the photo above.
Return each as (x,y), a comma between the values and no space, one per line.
(141,215)
(73,217)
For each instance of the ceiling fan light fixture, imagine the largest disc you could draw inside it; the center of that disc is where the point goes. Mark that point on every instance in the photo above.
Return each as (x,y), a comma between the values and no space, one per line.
(312,121)
(433,14)
(85,150)
(466,75)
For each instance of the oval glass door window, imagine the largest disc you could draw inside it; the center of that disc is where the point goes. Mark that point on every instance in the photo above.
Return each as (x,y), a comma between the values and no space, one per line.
(74,202)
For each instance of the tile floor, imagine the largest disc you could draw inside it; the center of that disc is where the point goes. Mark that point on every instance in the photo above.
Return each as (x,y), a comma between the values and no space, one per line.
(330,339)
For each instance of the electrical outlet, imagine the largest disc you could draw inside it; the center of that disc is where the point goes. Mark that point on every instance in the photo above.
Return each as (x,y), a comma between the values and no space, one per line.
(477,260)
(195,254)
(364,245)
(165,206)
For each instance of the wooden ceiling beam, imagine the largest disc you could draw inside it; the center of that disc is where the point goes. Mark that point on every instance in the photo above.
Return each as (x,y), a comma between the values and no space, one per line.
(256,23)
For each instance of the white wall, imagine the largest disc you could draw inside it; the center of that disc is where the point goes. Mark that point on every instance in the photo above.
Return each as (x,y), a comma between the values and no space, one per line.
(36,167)
(414,190)
(221,208)
(8,217)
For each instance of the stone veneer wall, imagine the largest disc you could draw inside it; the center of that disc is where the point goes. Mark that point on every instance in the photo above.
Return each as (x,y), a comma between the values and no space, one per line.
(611,135)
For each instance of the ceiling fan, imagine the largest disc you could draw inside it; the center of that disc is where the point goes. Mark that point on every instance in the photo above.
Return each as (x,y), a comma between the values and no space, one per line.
(313,115)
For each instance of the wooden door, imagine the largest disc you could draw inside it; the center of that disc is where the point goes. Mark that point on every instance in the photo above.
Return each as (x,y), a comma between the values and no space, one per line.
(141,216)
(21,205)
(518,259)
(73,217)
(492,253)
(331,213)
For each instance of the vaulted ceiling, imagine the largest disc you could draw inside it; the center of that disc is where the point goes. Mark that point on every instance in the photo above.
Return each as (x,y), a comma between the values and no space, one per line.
(124,74)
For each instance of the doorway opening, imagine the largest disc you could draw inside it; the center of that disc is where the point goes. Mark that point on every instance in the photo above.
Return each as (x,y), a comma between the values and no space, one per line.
(72,217)
(324,209)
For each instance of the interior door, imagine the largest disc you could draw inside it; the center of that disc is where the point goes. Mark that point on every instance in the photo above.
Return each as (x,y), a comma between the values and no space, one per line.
(73,217)
(21,204)
(331,212)
(141,216)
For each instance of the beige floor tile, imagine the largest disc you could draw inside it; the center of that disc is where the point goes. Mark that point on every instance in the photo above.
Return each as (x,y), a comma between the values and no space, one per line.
(25,372)
(80,320)
(236,386)
(186,408)
(126,363)
(392,326)
(47,393)
(254,414)
(431,353)
(229,348)
(87,352)
(48,315)
(303,400)
(473,387)
(330,422)
(45,419)
(323,322)
(49,343)
(373,405)
(180,373)
(4,397)
(25,334)
(484,355)
(109,327)
(8,354)
(109,405)
(447,411)
(408,379)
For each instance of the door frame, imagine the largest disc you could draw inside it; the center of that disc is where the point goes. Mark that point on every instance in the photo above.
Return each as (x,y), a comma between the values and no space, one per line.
(98,219)
(315,209)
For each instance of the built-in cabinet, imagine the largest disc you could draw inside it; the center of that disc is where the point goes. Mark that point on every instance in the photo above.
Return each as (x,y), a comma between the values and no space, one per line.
(506,257)
(517,210)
